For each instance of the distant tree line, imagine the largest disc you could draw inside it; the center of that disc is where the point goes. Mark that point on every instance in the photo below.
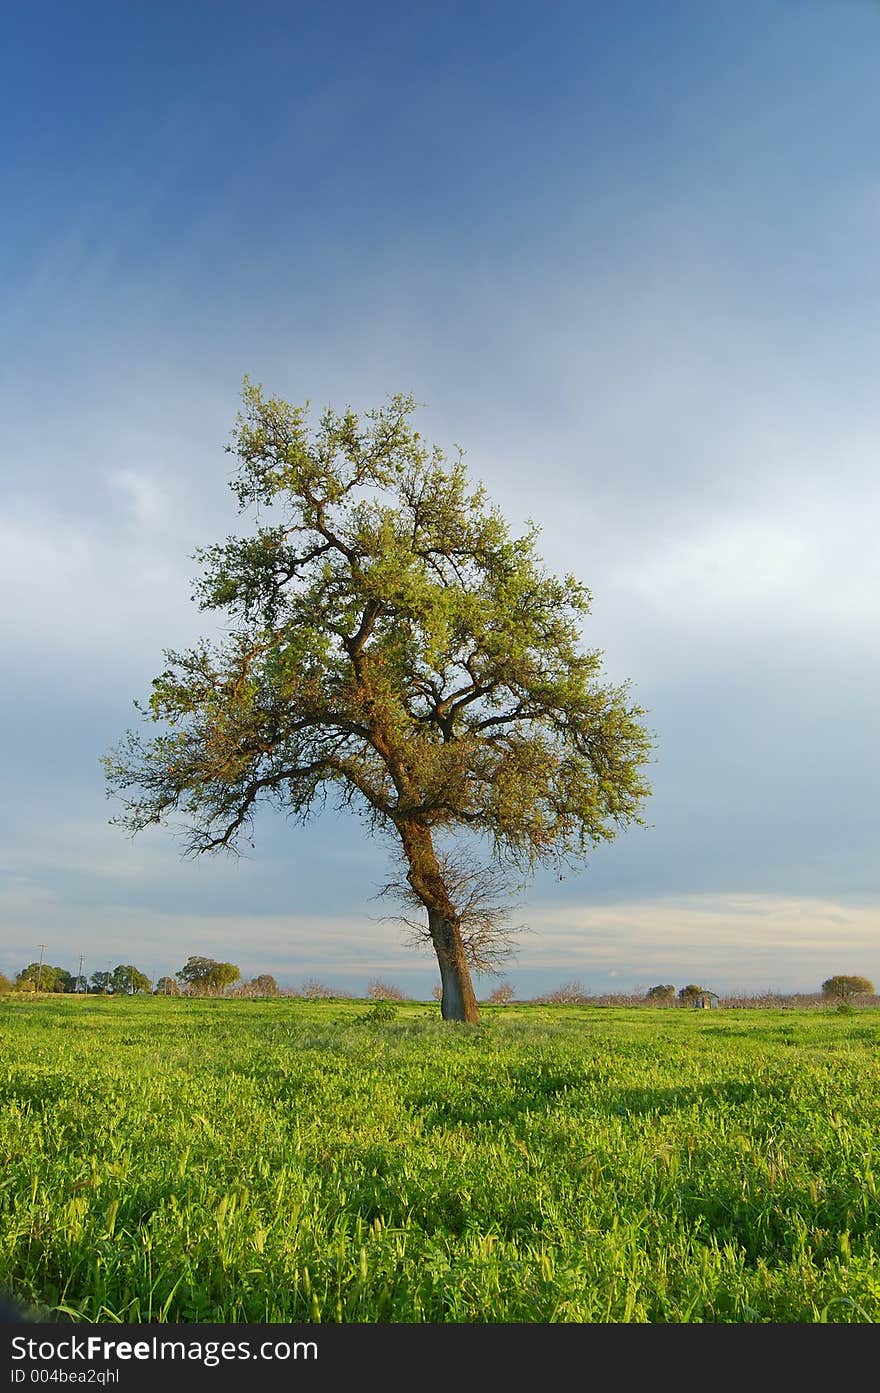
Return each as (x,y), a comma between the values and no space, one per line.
(198,976)
(202,976)
(839,989)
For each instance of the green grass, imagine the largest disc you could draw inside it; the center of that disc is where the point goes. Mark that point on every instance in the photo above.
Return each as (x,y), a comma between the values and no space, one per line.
(228,1161)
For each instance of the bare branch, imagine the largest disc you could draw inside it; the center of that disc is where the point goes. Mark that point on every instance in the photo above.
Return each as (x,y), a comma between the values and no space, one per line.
(478,892)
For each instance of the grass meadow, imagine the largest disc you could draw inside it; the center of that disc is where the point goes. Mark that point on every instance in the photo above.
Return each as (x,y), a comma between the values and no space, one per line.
(175,1160)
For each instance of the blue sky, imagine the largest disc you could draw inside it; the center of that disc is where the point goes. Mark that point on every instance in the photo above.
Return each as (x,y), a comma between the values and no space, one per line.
(626,256)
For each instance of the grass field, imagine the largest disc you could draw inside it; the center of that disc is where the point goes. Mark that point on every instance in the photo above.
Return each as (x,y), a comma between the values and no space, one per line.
(229,1161)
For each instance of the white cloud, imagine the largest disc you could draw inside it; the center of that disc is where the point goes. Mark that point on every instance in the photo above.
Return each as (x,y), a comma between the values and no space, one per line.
(145,498)
(87,604)
(289,946)
(727,941)
(809,563)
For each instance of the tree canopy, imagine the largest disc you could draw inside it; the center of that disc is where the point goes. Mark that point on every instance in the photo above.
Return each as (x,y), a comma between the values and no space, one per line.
(690,992)
(262,985)
(664,991)
(207,975)
(128,980)
(393,647)
(124,980)
(49,979)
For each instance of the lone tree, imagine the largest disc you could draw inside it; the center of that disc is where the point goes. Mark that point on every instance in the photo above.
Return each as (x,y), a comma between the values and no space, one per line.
(392,645)
(846,988)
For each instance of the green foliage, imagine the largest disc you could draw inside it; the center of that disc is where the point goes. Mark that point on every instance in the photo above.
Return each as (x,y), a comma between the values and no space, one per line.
(167,986)
(45,978)
(124,980)
(236,1161)
(200,974)
(845,989)
(127,980)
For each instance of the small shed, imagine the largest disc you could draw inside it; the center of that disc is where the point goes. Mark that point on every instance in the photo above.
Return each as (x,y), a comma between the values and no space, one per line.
(706,1001)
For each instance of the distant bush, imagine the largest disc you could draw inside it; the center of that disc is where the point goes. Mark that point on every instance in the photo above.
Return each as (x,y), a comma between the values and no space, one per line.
(384,991)
(5,984)
(502,995)
(316,991)
(572,993)
(381,1012)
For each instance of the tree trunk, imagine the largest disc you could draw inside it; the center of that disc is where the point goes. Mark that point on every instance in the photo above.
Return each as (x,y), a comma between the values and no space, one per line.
(459,1001)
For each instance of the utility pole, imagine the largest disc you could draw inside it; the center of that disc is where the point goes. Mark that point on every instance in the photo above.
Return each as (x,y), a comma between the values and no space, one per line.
(41,946)
(79,972)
